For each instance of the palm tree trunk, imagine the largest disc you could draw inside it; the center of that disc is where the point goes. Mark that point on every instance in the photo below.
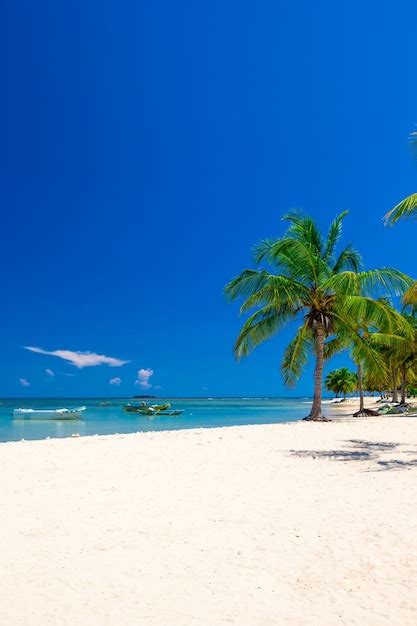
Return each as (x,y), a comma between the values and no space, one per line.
(403,385)
(362,411)
(316,414)
(395,386)
(360,387)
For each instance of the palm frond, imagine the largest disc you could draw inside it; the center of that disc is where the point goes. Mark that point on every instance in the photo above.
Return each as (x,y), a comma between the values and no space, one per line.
(410,296)
(362,349)
(348,259)
(304,229)
(246,284)
(286,255)
(385,281)
(334,346)
(259,327)
(277,291)
(295,259)
(261,250)
(275,253)
(333,236)
(404,209)
(365,353)
(364,312)
(387,340)
(295,356)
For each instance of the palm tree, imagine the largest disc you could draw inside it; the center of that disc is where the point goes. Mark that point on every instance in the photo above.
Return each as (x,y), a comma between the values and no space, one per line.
(380,344)
(324,291)
(400,355)
(382,341)
(404,356)
(331,382)
(407,207)
(341,381)
(376,382)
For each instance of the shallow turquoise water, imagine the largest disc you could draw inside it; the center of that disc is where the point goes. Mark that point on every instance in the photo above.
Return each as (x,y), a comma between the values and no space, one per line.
(198,413)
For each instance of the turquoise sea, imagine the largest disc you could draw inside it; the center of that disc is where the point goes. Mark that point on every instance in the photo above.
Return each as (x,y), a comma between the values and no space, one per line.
(105,420)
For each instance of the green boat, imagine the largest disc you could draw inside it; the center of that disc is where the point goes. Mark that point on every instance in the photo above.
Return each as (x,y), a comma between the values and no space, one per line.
(152,410)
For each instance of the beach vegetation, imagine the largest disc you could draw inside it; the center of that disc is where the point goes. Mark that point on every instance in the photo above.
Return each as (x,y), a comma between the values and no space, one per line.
(341,381)
(334,301)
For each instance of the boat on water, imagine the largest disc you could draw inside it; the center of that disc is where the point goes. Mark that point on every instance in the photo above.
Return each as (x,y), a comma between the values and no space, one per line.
(154,409)
(49,414)
(105,403)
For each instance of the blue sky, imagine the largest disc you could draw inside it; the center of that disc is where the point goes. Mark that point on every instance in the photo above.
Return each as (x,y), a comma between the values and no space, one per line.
(146,146)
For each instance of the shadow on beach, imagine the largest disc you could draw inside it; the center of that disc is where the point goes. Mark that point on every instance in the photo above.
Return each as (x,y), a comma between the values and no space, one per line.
(365,451)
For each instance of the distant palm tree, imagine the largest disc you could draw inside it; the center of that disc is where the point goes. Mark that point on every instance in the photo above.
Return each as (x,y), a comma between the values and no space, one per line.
(323,290)
(407,207)
(331,382)
(341,381)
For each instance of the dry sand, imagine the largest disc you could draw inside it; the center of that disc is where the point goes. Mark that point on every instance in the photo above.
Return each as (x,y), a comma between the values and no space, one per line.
(289,524)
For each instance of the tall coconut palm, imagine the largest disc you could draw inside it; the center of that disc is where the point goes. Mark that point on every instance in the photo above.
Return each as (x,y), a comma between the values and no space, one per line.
(407,207)
(321,289)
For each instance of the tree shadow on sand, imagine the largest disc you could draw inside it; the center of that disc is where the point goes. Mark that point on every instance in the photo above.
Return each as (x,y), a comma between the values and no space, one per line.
(365,451)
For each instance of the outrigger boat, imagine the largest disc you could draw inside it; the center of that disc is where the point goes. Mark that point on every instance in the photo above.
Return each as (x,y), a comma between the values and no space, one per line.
(154,409)
(49,414)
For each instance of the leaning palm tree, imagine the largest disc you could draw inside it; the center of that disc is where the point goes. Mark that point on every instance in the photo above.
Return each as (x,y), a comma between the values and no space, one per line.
(309,282)
(407,207)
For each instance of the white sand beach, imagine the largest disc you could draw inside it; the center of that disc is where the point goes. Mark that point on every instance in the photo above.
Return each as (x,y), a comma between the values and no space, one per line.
(292,524)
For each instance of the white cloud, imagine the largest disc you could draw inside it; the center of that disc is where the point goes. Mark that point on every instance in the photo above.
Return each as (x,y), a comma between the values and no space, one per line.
(80,359)
(143,378)
(24,382)
(115,381)
(50,372)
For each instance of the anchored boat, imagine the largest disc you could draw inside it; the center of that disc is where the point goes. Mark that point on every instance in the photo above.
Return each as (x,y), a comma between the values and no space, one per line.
(49,414)
(154,409)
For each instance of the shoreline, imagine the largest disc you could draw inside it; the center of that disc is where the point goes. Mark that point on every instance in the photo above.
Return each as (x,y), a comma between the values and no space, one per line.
(335,410)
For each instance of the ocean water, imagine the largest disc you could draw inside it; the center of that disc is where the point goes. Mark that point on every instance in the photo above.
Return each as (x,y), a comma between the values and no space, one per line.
(105,420)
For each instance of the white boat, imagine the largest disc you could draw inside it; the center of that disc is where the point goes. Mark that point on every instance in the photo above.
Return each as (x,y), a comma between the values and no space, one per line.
(49,414)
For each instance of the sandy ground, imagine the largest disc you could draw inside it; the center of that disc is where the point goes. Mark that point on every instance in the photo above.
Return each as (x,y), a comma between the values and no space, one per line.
(291,524)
